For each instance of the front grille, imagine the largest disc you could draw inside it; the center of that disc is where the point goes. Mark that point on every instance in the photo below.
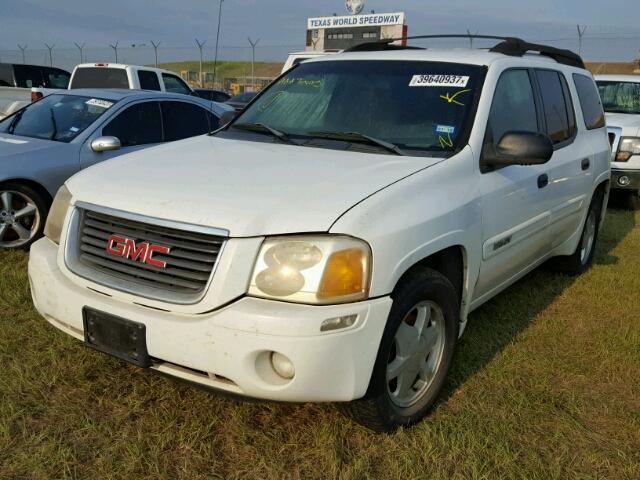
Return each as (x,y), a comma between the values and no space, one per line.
(189,263)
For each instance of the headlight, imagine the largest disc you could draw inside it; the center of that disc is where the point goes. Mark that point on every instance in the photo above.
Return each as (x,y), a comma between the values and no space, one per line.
(318,269)
(57,213)
(628,147)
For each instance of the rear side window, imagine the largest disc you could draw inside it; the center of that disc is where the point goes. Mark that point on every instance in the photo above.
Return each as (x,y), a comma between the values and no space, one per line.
(513,107)
(56,79)
(139,124)
(148,80)
(28,76)
(183,120)
(6,75)
(100,77)
(174,85)
(555,106)
(589,102)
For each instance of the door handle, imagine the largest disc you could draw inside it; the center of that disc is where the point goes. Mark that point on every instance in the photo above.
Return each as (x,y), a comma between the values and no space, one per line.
(585,164)
(543,180)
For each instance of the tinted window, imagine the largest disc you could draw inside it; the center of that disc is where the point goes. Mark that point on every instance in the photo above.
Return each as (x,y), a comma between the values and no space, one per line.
(617,97)
(183,120)
(174,85)
(56,117)
(571,114)
(554,106)
(6,75)
(139,124)
(28,76)
(513,107)
(244,97)
(424,106)
(214,95)
(56,78)
(148,80)
(100,77)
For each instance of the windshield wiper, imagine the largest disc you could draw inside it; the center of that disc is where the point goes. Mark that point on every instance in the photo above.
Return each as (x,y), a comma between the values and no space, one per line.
(55,125)
(14,122)
(261,127)
(360,138)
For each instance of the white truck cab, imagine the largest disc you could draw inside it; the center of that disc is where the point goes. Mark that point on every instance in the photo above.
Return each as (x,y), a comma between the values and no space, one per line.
(330,242)
(116,75)
(621,100)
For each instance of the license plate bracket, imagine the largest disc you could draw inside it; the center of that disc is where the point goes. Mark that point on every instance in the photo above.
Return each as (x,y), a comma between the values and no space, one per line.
(116,336)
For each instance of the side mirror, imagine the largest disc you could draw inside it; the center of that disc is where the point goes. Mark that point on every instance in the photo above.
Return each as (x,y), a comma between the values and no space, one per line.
(227,117)
(519,148)
(105,144)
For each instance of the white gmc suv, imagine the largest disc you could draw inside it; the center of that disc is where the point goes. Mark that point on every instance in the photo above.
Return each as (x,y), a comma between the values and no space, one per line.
(330,242)
(621,100)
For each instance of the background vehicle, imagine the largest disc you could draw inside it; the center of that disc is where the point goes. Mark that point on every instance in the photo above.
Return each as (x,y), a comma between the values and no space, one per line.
(48,141)
(355,214)
(620,96)
(297,57)
(115,75)
(213,95)
(17,80)
(242,100)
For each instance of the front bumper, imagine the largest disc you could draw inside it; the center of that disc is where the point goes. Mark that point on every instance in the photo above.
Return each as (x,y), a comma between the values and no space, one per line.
(625,179)
(228,349)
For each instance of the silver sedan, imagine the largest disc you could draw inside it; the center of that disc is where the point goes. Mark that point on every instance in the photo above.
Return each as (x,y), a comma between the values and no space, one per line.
(48,141)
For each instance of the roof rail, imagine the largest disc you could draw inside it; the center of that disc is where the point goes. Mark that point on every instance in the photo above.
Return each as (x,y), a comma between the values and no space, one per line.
(512,46)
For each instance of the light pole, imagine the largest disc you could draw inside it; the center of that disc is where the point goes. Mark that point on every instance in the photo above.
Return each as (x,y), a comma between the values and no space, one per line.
(253,61)
(115,49)
(215,60)
(50,47)
(200,45)
(81,48)
(155,49)
(22,49)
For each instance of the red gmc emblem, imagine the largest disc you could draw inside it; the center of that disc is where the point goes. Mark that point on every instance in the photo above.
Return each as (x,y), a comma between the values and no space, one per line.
(143,252)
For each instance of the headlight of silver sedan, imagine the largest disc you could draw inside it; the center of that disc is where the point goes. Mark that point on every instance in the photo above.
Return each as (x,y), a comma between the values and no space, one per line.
(312,269)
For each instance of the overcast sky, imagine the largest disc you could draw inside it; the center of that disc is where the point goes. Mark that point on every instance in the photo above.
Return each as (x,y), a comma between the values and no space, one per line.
(613,26)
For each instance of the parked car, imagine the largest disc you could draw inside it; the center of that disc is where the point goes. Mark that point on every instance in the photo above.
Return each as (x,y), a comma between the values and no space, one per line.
(621,98)
(355,214)
(212,95)
(16,81)
(115,75)
(242,100)
(48,141)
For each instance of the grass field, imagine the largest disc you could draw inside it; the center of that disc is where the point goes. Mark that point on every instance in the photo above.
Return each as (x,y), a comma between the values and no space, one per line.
(545,385)
(227,69)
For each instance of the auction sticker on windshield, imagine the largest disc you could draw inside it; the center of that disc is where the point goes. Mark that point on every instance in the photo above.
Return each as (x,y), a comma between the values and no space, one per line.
(439,81)
(99,103)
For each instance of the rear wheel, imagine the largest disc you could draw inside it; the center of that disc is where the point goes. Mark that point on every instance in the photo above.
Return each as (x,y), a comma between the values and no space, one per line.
(415,354)
(582,258)
(22,216)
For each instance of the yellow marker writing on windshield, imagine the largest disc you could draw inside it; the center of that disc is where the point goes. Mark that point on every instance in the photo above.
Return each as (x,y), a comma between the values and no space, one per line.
(452,98)
(445,142)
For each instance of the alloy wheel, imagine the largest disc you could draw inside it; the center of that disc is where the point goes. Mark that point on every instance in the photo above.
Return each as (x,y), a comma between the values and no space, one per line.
(19,219)
(588,238)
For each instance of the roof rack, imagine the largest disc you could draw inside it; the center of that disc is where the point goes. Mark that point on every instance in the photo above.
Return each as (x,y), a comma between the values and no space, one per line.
(512,46)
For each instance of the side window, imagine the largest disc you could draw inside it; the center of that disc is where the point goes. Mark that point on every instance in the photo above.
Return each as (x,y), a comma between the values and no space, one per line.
(175,85)
(590,102)
(139,124)
(571,113)
(513,107)
(28,76)
(148,80)
(555,106)
(56,79)
(183,120)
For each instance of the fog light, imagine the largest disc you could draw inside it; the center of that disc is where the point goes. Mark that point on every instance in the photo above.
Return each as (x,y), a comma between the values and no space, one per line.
(282,365)
(624,180)
(338,323)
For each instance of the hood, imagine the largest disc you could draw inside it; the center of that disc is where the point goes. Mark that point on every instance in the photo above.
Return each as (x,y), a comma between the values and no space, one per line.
(11,145)
(247,188)
(624,121)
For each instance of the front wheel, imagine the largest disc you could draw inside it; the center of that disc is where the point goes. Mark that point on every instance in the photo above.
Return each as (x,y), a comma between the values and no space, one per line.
(22,216)
(415,354)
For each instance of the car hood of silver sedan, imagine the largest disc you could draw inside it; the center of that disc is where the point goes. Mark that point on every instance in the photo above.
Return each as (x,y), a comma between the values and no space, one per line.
(248,188)
(11,145)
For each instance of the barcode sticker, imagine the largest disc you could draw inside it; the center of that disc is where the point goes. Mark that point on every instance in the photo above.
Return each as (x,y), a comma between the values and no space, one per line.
(97,102)
(439,81)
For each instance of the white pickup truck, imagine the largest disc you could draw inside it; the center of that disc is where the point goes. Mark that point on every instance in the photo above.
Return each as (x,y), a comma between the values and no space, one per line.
(17,82)
(330,243)
(621,100)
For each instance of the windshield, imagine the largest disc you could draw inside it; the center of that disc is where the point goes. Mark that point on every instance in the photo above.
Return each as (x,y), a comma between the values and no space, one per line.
(56,117)
(99,77)
(420,106)
(620,97)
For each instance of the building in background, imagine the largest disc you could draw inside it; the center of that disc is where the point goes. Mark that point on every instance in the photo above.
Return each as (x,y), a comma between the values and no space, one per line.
(338,33)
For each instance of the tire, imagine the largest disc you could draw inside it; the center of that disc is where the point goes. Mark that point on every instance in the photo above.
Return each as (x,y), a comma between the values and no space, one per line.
(632,200)
(23,212)
(580,261)
(414,356)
